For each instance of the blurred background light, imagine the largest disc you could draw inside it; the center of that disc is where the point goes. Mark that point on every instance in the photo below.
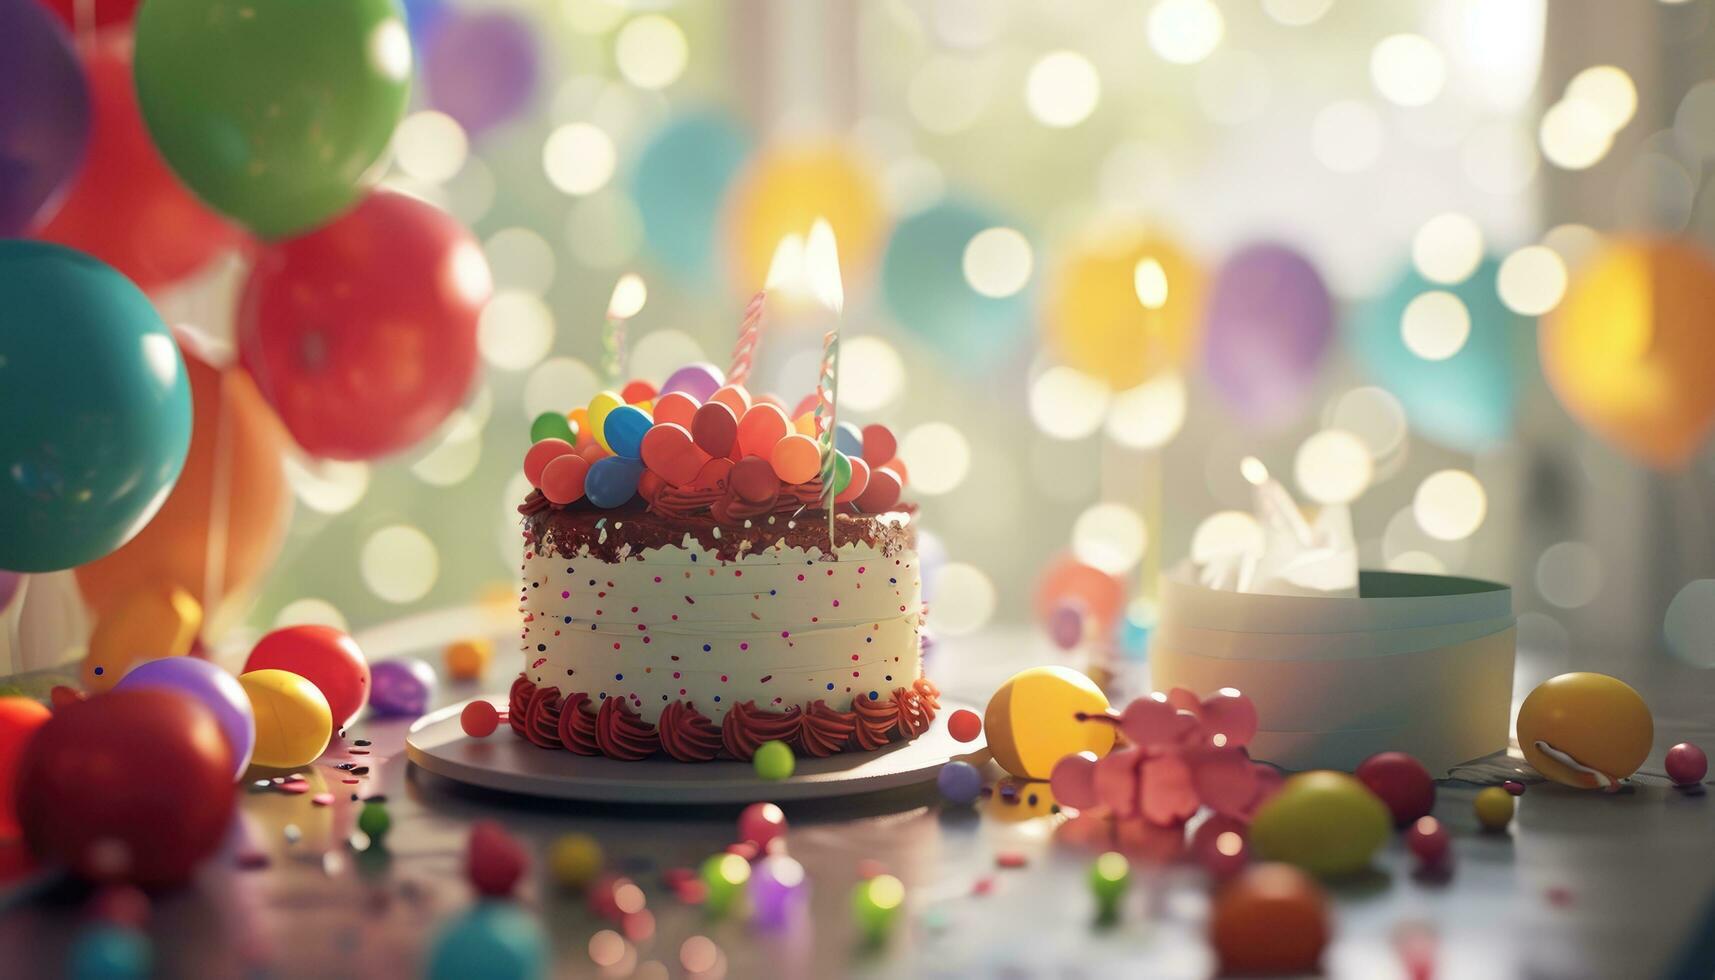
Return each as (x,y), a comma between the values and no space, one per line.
(872,374)
(515,331)
(1347,136)
(1569,574)
(1226,533)
(579,158)
(1068,404)
(1447,248)
(399,563)
(937,456)
(520,259)
(651,51)
(430,146)
(1435,325)
(1110,536)
(1408,69)
(1450,505)
(997,262)
(1062,89)
(1297,13)
(1185,31)
(1332,467)
(1149,415)
(1532,280)
(964,599)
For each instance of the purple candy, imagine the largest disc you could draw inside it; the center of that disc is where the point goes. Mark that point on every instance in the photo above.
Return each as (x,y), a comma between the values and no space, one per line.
(777,891)
(700,381)
(401,688)
(213,688)
(960,782)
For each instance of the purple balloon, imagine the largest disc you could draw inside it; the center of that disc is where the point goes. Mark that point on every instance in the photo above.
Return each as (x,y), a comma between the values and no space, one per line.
(1066,625)
(481,68)
(401,688)
(1269,322)
(215,689)
(700,381)
(44,115)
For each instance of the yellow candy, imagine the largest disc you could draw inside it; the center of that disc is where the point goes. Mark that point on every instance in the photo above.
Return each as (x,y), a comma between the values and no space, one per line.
(1031,722)
(600,406)
(575,860)
(293,723)
(467,659)
(1494,808)
(1585,730)
(1325,822)
(147,625)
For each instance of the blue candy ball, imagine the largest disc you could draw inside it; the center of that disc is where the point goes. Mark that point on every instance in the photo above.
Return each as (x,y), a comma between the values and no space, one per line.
(960,782)
(495,941)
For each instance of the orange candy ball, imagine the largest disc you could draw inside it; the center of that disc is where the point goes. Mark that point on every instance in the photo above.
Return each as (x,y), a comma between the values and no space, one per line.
(796,459)
(1272,919)
(734,397)
(637,391)
(676,407)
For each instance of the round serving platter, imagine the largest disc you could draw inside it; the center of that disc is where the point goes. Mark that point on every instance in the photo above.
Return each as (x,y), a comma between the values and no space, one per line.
(505,762)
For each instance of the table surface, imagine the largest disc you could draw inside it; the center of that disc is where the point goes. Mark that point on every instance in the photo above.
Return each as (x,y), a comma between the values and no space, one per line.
(1584,884)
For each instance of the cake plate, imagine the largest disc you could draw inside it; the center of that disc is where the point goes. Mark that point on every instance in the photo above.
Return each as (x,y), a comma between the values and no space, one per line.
(505,762)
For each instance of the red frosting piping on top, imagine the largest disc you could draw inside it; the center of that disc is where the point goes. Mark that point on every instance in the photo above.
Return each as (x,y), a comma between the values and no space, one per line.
(518,703)
(577,725)
(822,731)
(686,735)
(542,720)
(623,735)
(745,728)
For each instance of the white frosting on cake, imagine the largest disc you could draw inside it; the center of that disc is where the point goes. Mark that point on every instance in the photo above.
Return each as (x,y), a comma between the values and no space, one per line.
(781,627)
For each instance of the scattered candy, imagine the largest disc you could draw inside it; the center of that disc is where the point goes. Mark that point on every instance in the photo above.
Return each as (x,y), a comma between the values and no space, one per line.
(1494,808)
(1513,787)
(959,782)
(374,821)
(724,875)
(467,659)
(1220,846)
(479,719)
(215,689)
(761,823)
(774,761)
(552,425)
(1011,859)
(1686,764)
(1032,720)
(1110,877)
(494,940)
(401,688)
(575,860)
(778,891)
(293,721)
(1066,625)
(109,952)
(326,657)
(1585,730)
(1401,782)
(876,904)
(964,725)
(494,861)
(1271,919)
(1429,842)
(1327,823)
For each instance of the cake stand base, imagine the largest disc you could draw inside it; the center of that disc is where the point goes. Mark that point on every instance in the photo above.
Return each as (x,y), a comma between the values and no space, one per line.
(505,762)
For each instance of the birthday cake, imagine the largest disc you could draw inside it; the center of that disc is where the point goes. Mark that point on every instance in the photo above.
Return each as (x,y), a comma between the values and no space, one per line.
(688,591)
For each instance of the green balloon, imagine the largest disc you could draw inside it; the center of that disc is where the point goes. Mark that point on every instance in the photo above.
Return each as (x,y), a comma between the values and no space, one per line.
(552,425)
(273,110)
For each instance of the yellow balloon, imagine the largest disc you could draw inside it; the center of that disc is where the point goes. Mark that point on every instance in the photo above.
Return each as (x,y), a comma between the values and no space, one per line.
(293,722)
(1327,823)
(1629,350)
(146,625)
(600,406)
(785,189)
(1585,730)
(1097,319)
(1031,722)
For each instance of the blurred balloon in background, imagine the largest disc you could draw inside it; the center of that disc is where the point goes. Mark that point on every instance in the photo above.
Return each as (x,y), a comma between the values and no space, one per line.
(222,525)
(273,110)
(1268,326)
(362,334)
(125,207)
(925,285)
(87,363)
(9,582)
(784,189)
(44,115)
(1630,352)
(81,15)
(481,67)
(423,18)
(680,179)
(1460,387)
(1123,305)
(1068,584)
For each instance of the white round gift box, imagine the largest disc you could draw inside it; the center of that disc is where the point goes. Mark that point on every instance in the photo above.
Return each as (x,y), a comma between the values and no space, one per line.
(1414,663)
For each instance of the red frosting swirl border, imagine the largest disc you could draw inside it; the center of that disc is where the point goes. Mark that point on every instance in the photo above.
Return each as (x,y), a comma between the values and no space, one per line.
(546,718)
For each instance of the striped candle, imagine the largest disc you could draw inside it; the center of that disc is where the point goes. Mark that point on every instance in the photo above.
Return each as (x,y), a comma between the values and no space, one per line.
(744,351)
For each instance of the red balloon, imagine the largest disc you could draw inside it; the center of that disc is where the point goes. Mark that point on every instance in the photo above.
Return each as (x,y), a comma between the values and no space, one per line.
(19,719)
(131,785)
(325,657)
(81,15)
(362,334)
(858,484)
(563,478)
(879,446)
(669,453)
(538,456)
(881,494)
(753,480)
(125,207)
(715,428)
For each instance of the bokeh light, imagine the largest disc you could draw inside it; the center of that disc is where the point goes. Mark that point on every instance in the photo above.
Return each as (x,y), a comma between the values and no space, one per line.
(515,330)
(607,948)
(310,611)
(1062,89)
(327,486)
(1532,280)
(1297,13)
(1067,403)
(560,384)
(998,262)
(1408,69)
(1333,467)
(1694,120)
(1111,537)
(430,146)
(1346,137)
(1185,31)
(1149,415)
(579,158)
(399,563)
(1569,574)
(1610,90)
(949,93)
(521,259)
(1374,415)
(1226,533)
(964,599)
(698,954)
(1435,325)
(1573,242)
(872,374)
(1450,505)
(651,51)
(1690,624)
(1233,87)
(1574,134)
(604,230)
(937,457)
(1447,248)
(454,456)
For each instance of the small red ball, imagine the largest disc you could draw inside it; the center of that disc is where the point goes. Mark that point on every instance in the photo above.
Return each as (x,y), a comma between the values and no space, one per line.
(965,725)
(479,719)
(1401,782)
(1429,842)
(760,823)
(1513,787)
(494,860)
(1686,764)
(1219,845)
(324,656)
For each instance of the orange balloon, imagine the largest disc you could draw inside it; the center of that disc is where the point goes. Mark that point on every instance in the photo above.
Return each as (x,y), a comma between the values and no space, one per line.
(761,428)
(233,490)
(1068,579)
(1629,350)
(796,459)
(785,189)
(1096,317)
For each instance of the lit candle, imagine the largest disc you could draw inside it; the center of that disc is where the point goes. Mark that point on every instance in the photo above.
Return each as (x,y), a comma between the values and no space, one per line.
(1274,505)
(822,268)
(629,295)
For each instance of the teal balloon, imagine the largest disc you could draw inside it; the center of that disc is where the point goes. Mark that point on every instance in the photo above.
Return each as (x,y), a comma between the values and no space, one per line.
(1470,399)
(923,284)
(96,408)
(680,182)
(494,941)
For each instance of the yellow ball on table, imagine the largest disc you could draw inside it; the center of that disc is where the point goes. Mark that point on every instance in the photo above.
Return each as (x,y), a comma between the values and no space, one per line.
(1032,721)
(1585,730)
(575,860)
(1494,808)
(293,721)
(468,659)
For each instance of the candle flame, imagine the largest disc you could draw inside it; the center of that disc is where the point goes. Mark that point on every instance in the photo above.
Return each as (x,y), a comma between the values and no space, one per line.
(822,266)
(629,295)
(786,270)
(1150,281)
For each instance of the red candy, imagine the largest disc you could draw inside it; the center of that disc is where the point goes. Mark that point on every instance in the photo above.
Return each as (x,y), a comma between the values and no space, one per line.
(753,479)
(760,428)
(1219,845)
(637,391)
(540,455)
(675,407)
(1429,842)
(857,484)
(325,657)
(715,429)
(1271,919)
(879,446)
(494,860)
(479,719)
(1401,782)
(669,452)
(1686,764)
(883,492)
(964,725)
(760,823)
(563,478)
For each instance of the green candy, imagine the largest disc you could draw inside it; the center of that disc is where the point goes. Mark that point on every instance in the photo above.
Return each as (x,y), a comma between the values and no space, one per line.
(552,425)
(876,905)
(374,821)
(774,761)
(724,877)
(273,111)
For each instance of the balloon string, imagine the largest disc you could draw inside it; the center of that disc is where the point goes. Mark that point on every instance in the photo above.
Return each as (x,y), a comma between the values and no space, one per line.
(220,508)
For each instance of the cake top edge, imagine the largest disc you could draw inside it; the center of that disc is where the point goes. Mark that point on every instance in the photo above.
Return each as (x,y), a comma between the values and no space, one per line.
(637,528)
